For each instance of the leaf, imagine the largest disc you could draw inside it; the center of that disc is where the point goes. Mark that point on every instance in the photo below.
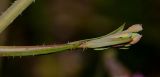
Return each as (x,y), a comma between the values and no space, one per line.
(120,29)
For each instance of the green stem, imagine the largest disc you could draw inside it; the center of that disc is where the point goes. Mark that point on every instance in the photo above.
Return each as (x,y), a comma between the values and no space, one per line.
(12,12)
(35,50)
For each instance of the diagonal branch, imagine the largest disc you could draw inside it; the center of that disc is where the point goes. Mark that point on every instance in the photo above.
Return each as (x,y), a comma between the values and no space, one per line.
(12,12)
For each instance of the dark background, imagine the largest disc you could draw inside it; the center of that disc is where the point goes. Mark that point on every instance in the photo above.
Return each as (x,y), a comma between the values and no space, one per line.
(60,21)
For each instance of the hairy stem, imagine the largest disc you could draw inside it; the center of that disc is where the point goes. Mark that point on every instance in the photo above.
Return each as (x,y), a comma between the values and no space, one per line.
(35,50)
(12,12)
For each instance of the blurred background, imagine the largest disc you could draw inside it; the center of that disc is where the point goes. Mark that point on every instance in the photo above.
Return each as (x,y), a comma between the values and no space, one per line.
(61,21)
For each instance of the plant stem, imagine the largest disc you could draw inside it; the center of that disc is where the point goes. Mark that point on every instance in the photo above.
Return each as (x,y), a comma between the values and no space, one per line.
(12,12)
(35,50)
